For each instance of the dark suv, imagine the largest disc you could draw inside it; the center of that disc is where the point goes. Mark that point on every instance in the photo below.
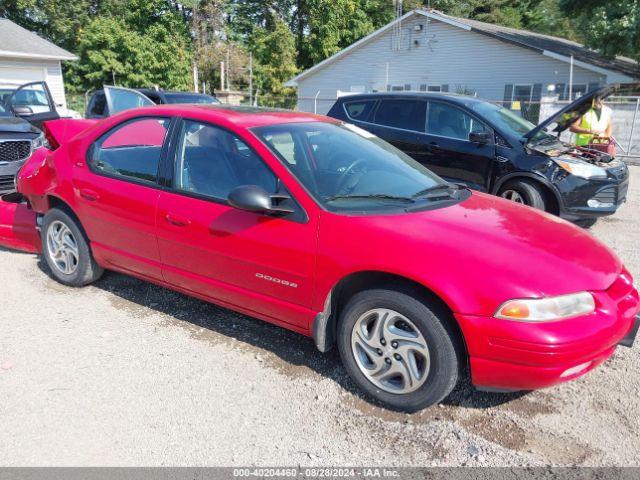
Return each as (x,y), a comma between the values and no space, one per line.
(22,111)
(489,148)
(98,105)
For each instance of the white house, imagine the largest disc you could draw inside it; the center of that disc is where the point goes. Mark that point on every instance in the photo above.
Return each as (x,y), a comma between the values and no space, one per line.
(26,57)
(426,50)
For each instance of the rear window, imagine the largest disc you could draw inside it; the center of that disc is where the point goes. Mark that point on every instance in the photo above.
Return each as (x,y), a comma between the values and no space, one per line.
(359,110)
(406,114)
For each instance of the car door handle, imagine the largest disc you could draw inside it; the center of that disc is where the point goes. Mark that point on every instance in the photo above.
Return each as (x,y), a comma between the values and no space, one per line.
(89,195)
(177,220)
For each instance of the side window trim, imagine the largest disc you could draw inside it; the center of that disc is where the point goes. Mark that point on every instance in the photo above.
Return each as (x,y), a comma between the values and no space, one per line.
(171,163)
(124,178)
(469,114)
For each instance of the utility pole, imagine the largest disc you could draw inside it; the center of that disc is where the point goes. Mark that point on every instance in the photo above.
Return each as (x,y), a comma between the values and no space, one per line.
(571,80)
(251,79)
(222,76)
(228,65)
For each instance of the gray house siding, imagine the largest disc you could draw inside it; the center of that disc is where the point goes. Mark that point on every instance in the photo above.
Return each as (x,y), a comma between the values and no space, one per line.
(439,54)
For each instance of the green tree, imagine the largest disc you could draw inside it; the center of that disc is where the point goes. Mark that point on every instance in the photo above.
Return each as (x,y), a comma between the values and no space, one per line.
(148,44)
(274,53)
(609,26)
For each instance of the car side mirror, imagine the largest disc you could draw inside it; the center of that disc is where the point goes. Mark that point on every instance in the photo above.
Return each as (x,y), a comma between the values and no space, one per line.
(22,111)
(480,137)
(256,199)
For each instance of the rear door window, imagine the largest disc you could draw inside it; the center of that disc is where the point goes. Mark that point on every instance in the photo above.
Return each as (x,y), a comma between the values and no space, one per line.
(359,110)
(407,114)
(132,150)
(446,120)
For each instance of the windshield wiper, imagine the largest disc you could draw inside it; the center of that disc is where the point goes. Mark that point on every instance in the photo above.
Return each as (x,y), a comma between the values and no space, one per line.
(380,196)
(435,188)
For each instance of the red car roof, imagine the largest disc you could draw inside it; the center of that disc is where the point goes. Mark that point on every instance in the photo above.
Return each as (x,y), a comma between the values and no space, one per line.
(242,116)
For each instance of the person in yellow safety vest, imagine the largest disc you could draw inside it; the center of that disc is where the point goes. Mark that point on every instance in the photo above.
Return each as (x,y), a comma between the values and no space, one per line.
(595,123)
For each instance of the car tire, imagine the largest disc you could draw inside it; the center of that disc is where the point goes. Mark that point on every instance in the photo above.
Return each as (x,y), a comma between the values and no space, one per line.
(438,365)
(525,192)
(586,222)
(66,250)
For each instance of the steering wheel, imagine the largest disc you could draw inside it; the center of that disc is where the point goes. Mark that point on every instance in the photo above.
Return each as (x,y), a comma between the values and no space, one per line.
(347,181)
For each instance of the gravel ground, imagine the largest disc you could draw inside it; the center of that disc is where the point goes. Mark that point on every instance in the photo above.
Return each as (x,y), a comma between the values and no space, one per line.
(126,373)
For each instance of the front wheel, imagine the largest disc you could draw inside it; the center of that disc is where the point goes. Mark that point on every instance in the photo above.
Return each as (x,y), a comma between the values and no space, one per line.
(66,250)
(524,192)
(399,350)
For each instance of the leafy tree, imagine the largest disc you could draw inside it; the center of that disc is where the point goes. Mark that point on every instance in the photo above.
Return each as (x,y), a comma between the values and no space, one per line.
(61,21)
(274,53)
(148,44)
(610,26)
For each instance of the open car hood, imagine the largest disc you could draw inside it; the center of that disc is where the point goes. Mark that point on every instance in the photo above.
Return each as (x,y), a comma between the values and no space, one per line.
(576,109)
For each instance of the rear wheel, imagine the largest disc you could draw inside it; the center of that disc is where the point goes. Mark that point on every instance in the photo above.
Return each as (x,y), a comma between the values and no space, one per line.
(66,250)
(525,192)
(399,350)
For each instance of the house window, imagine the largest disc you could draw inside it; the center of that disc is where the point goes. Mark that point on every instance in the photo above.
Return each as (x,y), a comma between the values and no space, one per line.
(577,91)
(399,88)
(434,88)
(522,93)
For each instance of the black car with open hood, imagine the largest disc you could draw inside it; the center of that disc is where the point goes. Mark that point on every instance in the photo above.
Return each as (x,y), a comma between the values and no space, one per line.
(22,112)
(492,149)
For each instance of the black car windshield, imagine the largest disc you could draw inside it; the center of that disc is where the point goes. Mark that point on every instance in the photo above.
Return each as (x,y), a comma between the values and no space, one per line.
(190,98)
(504,119)
(346,168)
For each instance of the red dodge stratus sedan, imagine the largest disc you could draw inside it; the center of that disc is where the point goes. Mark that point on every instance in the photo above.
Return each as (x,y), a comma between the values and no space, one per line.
(323,228)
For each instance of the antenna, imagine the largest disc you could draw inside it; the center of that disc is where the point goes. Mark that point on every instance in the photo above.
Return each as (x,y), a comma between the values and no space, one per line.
(396,40)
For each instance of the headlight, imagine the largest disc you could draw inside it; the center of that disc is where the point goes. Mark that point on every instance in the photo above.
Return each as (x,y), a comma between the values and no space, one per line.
(39,141)
(547,309)
(580,168)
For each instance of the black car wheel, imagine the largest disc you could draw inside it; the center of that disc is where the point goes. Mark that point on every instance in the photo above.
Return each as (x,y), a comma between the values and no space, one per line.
(399,350)
(66,250)
(525,192)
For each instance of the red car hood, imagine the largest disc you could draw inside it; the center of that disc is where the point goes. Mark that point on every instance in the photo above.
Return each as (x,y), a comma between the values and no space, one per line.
(476,254)
(532,247)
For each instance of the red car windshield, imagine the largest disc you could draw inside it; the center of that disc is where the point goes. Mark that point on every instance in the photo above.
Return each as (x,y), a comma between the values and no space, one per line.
(346,168)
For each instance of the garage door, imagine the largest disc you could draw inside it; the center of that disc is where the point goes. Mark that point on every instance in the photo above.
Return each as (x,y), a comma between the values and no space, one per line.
(14,76)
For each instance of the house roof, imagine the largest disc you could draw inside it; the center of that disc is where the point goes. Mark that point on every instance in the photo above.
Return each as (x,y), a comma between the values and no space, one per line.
(555,47)
(18,42)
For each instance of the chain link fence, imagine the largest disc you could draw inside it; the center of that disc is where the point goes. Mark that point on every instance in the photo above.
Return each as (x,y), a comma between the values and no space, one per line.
(626,113)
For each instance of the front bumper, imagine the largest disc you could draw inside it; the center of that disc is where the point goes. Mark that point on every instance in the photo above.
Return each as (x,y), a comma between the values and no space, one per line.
(582,198)
(509,355)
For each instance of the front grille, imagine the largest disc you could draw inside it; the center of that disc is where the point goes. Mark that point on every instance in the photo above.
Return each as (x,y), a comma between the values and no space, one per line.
(14,150)
(6,183)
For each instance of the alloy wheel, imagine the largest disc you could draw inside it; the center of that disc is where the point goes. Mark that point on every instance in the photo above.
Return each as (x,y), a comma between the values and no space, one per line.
(513,195)
(62,248)
(390,351)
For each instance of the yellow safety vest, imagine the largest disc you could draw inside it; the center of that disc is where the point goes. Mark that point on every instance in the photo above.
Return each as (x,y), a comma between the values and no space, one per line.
(591,121)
